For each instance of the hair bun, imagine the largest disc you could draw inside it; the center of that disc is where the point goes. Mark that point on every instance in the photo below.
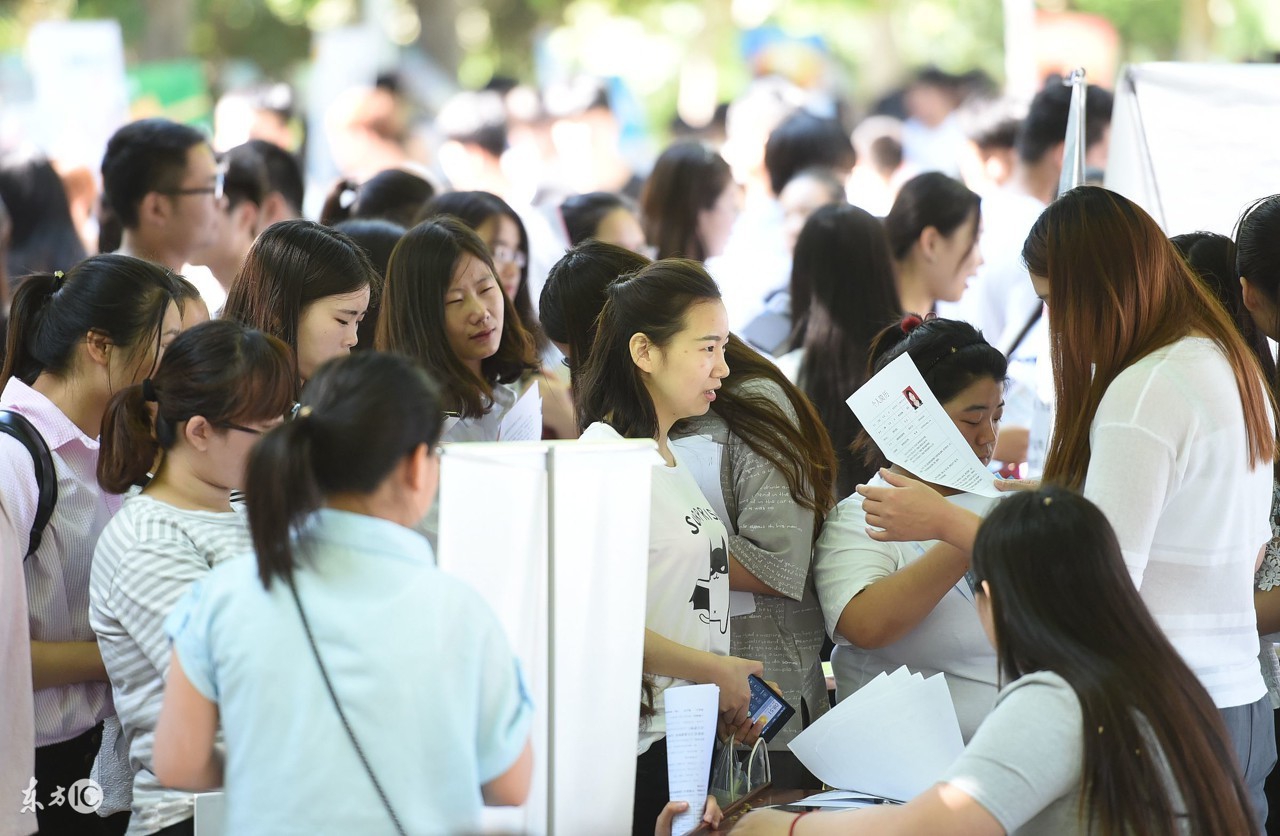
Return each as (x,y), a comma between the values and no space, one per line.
(910,322)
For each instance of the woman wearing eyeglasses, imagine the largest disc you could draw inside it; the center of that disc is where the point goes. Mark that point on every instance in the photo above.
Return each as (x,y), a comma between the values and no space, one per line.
(219,387)
(502,231)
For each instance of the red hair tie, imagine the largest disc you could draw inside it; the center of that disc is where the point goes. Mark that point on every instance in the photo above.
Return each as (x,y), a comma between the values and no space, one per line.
(911,322)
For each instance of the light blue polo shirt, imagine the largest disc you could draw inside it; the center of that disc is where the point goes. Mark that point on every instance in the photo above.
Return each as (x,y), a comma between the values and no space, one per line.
(419,662)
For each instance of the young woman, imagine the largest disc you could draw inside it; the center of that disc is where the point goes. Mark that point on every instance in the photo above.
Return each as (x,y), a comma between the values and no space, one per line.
(933,231)
(805,193)
(1090,734)
(1171,435)
(393,195)
(772,486)
(391,682)
(307,285)
(503,233)
(842,295)
(604,216)
(658,357)
(220,386)
(74,340)
(893,604)
(441,282)
(689,203)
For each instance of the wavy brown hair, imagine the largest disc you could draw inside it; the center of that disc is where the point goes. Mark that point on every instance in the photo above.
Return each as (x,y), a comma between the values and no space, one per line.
(1119,290)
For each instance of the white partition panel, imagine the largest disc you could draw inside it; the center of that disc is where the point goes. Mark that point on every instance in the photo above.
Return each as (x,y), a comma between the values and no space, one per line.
(555,537)
(1194,144)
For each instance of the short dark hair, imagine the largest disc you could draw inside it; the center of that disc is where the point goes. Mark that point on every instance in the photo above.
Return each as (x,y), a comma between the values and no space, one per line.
(123,297)
(245,179)
(290,265)
(806,141)
(1046,124)
(582,213)
(284,173)
(476,118)
(362,415)
(687,178)
(928,200)
(412,320)
(145,156)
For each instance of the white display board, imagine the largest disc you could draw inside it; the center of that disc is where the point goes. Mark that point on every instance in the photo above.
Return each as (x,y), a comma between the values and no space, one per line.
(555,536)
(1193,144)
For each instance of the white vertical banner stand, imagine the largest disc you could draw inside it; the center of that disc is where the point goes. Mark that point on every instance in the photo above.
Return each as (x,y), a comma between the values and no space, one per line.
(1187,141)
(555,537)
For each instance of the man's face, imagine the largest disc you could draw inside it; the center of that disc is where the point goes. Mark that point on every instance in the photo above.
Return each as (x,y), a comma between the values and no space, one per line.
(195,204)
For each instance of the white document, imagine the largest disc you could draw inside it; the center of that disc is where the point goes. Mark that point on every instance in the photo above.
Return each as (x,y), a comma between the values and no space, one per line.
(841,800)
(523,422)
(911,428)
(704,457)
(691,712)
(892,738)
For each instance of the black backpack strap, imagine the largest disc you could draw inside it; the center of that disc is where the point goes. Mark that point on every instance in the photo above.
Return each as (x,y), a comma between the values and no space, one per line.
(13,424)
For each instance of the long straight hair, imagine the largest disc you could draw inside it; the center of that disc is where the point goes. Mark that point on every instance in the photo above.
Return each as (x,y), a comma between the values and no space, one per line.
(361,416)
(1042,553)
(687,179)
(842,294)
(575,293)
(1119,290)
(221,370)
(411,322)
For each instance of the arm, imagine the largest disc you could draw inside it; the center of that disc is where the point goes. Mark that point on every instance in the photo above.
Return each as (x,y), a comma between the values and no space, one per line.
(741,580)
(65,663)
(1268,607)
(909,510)
(511,788)
(663,657)
(940,809)
(893,606)
(183,755)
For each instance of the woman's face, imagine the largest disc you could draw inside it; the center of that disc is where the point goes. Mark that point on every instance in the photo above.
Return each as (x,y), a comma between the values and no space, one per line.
(501,235)
(228,451)
(956,260)
(682,377)
(473,311)
(715,224)
(801,198)
(130,366)
(976,411)
(622,228)
(327,328)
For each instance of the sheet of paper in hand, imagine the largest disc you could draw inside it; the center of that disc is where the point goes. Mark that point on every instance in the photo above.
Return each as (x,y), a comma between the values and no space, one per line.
(911,428)
(691,712)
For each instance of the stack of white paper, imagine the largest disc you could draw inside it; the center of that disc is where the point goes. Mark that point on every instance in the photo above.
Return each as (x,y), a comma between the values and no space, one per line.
(691,713)
(893,738)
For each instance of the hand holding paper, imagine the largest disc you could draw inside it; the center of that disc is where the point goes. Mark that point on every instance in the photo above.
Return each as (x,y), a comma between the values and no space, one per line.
(911,428)
(691,713)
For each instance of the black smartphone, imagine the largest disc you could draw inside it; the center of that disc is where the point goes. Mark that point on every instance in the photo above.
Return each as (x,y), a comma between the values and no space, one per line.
(766,703)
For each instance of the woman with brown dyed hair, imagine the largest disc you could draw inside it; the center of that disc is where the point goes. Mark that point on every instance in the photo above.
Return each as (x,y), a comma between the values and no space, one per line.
(1164,420)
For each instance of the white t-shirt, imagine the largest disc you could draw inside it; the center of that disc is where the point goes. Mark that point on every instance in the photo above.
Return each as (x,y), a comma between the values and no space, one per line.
(484,428)
(950,640)
(146,559)
(688,587)
(1170,469)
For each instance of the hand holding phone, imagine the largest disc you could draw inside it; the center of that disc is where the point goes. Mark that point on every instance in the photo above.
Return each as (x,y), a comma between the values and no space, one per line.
(769,705)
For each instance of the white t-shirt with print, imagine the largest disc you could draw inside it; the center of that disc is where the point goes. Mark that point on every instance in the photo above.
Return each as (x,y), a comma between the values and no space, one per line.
(688,587)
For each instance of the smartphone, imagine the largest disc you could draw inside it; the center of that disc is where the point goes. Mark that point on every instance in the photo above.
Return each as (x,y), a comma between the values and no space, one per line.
(766,703)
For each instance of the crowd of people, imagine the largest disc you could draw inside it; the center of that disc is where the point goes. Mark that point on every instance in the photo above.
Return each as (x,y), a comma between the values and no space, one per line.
(220,443)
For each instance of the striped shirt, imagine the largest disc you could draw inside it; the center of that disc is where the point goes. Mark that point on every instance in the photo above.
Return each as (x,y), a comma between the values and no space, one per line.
(57,575)
(147,557)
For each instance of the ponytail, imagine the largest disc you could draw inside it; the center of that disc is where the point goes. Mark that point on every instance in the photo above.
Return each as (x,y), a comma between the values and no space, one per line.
(26,315)
(283,457)
(339,203)
(129,448)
